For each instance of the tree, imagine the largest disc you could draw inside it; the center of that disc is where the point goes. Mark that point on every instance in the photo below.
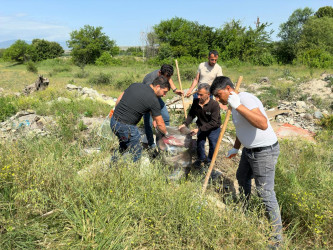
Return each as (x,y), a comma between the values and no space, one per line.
(88,44)
(326,11)
(185,38)
(45,50)
(317,34)
(18,52)
(290,33)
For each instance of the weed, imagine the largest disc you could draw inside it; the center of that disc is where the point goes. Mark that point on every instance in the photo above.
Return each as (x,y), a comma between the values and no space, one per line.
(82,126)
(7,107)
(31,67)
(327,122)
(101,78)
(81,74)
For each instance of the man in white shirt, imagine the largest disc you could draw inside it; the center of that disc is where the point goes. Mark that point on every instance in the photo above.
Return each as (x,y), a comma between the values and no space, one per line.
(261,148)
(207,72)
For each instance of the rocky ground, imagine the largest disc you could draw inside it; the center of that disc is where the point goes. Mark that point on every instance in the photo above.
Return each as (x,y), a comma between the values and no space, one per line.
(296,117)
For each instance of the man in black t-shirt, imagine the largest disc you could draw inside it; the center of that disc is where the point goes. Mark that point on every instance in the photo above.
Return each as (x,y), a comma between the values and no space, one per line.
(135,101)
(167,71)
(209,121)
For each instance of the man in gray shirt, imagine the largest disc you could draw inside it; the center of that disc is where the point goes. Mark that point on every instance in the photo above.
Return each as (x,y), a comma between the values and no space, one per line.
(167,71)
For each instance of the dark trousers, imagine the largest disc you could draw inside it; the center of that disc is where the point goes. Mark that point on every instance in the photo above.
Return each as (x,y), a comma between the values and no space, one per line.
(212,136)
(128,137)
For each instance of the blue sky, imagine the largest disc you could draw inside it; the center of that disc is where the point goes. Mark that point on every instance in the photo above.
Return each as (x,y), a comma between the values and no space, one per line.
(125,21)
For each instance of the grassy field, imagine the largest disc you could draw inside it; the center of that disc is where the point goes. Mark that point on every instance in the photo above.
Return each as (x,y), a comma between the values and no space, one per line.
(50,199)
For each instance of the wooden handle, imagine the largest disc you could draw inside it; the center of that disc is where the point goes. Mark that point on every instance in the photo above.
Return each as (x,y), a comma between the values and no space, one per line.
(181,88)
(217,147)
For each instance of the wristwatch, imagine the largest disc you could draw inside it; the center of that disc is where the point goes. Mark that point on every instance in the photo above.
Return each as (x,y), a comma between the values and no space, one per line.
(174,90)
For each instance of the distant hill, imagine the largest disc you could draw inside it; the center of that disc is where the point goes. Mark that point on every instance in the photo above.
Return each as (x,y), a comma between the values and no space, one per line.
(6,44)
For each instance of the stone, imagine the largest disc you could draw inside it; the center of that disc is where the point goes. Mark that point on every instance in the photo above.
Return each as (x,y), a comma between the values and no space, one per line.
(301,104)
(318,114)
(308,117)
(64,99)
(264,80)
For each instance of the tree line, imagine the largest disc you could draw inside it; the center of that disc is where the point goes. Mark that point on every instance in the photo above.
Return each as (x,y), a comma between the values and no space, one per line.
(305,38)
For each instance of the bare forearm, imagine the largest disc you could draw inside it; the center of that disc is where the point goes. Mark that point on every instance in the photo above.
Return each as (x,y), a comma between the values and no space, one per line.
(237,143)
(254,117)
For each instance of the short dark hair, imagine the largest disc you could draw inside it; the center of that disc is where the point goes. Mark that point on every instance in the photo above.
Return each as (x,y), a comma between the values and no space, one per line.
(214,52)
(162,81)
(220,82)
(166,70)
(205,86)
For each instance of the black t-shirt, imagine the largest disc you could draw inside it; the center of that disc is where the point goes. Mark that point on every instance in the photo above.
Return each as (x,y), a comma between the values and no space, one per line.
(208,116)
(137,100)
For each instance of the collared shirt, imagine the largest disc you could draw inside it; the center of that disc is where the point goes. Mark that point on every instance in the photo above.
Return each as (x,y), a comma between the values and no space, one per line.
(208,116)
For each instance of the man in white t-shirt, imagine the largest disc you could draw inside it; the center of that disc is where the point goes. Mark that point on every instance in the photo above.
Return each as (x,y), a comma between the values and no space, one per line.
(261,148)
(207,72)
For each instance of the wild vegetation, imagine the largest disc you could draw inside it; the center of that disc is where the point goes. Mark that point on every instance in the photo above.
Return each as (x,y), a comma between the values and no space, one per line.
(47,202)
(55,195)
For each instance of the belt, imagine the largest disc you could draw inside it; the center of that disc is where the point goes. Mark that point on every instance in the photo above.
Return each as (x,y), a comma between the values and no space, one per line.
(258,149)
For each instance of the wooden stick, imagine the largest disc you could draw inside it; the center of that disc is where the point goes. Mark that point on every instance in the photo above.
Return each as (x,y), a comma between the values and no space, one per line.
(217,147)
(180,99)
(180,86)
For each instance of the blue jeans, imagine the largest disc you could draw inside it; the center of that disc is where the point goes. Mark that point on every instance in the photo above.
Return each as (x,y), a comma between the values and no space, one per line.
(261,167)
(148,122)
(128,136)
(212,136)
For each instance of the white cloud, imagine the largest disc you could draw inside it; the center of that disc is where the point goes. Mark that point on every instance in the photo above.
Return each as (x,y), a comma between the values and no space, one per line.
(20,26)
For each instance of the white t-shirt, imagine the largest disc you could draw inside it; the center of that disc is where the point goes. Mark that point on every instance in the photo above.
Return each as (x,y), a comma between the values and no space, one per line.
(248,135)
(209,73)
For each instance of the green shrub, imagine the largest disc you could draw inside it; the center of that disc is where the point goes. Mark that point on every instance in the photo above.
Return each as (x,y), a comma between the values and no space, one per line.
(81,74)
(263,59)
(315,58)
(7,108)
(101,78)
(124,82)
(188,74)
(31,67)
(327,122)
(63,68)
(104,59)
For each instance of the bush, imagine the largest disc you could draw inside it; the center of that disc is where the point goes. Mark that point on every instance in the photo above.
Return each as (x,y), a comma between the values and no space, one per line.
(315,58)
(188,74)
(101,78)
(7,108)
(31,67)
(81,74)
(327,122)
(63,68)
(263,59)
(124,82)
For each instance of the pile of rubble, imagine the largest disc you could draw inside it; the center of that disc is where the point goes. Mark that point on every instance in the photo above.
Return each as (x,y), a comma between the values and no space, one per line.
(27,123)
(90,93)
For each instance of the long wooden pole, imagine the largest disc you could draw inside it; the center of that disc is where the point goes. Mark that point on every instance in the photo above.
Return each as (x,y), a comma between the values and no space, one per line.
(211,166)
(181,88)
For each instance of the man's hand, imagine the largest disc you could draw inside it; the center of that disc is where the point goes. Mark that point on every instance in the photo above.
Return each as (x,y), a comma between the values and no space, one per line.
(179,92)
(232,153)
(234,100)
(188,93)
(154,124)
(181,126)
(194,131)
